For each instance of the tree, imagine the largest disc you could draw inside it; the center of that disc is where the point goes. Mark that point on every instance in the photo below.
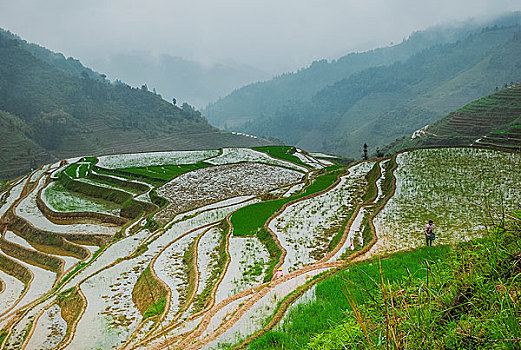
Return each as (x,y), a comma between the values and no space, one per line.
(379,153)
(364,155)
(187,108)
(174,101)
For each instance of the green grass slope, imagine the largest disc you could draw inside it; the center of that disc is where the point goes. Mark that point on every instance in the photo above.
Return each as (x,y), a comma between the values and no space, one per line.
(493,121)
(61,114)
(435,297)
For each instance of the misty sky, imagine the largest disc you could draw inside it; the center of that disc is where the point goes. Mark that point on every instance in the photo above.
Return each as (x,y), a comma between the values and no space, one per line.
(271,35)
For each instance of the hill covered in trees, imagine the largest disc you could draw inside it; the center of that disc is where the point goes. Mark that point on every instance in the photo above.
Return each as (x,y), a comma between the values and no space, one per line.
(379,95)
(52,108)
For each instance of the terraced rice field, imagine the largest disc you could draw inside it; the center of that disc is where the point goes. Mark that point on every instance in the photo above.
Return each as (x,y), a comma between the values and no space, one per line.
(59,198)
(154,158)
(459,189)
(238,155)
(305,228)
(209,185)
(173,275)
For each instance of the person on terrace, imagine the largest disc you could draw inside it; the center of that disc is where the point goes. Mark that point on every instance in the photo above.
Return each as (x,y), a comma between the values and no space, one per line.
(429,233)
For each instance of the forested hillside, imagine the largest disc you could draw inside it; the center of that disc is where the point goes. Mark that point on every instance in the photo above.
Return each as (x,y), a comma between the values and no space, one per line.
(69,64)
(386,100)
(52,109)
(267,97)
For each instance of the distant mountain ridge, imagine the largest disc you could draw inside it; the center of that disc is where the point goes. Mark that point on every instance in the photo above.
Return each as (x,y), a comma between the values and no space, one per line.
(389,92)
(52,108)
(176,77)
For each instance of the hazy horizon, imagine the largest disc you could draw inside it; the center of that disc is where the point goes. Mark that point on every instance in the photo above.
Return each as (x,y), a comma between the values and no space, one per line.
(269,36)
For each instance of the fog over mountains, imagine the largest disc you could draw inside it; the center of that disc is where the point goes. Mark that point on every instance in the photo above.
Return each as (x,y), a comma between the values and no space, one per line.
(376,96)
(175,77)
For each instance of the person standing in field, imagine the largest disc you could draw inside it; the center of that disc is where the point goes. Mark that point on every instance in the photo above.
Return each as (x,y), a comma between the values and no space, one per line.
(429,233)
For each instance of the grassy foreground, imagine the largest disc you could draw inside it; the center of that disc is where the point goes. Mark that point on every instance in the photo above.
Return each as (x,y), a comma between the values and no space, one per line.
(331,308)
(434,297)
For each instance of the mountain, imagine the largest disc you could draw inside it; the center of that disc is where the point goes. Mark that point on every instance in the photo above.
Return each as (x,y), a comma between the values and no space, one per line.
(493,121)
(52,109)
(389,92)
(175,77)
(55,59)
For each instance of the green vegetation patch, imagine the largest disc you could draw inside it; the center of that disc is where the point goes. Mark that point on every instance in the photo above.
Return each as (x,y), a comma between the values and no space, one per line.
(164,172)
(72,195)
(80,266)
(89,159)
(331,308)
(3,335)
(156,308)
(78,170)
(371,177)
(275,252)
(338,237)
(387,183)
(282,152)
(189,261)
(128,186)
(470,297)
(114,172)
(248,220)
(202,299)
(158,200)
(513,127)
